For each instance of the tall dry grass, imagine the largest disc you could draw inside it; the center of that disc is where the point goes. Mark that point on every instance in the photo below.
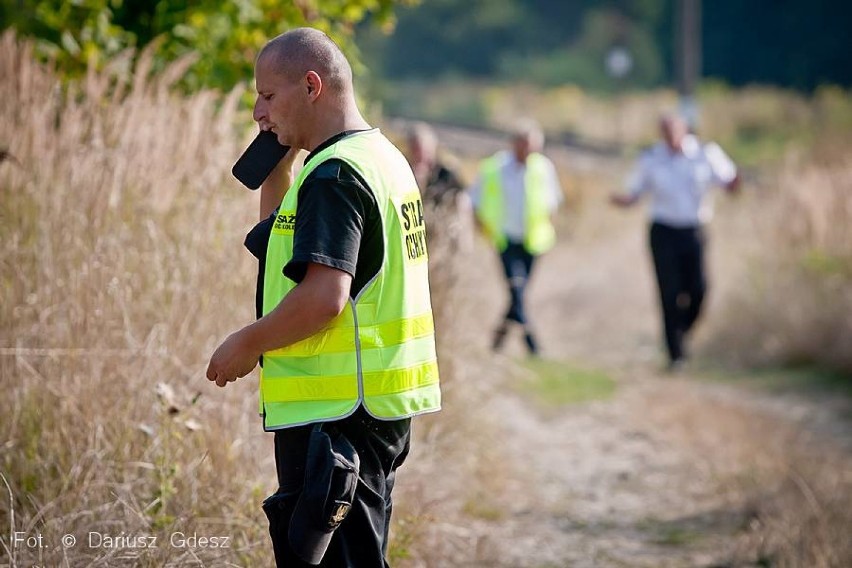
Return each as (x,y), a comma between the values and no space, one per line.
(786,489)
(119,274)
(792,303)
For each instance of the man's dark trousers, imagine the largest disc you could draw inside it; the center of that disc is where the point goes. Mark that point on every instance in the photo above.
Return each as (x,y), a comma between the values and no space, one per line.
(679,264)
(517,266)
(361,539)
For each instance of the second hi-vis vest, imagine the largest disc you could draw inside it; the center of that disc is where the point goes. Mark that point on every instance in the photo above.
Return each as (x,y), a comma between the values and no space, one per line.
(539,235)
(380,351)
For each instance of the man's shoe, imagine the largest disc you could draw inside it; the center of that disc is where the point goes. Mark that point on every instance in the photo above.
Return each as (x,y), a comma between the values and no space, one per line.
(531,344)
(499,338)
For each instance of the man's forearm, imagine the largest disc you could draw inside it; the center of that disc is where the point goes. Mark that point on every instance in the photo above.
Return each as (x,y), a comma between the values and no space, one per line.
(310,306)
(307,309)
(274,187)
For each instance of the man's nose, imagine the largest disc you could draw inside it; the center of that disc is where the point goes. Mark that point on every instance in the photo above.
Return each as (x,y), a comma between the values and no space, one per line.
(259,112)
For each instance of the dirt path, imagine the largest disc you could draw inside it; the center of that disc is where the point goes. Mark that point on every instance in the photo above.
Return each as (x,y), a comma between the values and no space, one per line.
(649,477)
(653,475)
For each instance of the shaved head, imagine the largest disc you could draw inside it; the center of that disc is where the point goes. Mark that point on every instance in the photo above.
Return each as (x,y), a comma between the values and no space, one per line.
(671,120)
(673,128)
(527,138)
(422,137)
(300,50)
(304,89)
(529,130)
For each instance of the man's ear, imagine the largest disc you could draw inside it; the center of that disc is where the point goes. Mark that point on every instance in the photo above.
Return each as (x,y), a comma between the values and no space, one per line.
(313,83)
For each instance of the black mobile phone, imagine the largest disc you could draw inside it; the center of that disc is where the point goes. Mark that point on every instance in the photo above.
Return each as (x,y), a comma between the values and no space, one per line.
(259,159)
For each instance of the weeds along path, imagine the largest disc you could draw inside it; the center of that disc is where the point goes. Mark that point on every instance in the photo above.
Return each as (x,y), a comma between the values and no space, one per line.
(665,471)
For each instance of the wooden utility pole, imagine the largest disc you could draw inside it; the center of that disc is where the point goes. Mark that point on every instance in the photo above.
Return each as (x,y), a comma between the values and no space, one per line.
(688,55)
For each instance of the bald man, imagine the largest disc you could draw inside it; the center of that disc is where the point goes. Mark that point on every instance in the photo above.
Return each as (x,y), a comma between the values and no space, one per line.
(678,174)
(345,326)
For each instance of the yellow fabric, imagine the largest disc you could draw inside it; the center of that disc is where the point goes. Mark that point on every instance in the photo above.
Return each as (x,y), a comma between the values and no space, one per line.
(342,340)
(380,351)
(539,234)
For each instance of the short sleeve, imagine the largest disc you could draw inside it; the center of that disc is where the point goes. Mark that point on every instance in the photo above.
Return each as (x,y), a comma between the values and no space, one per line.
(555,194)
(723,168)
(330,219)
(257,239)
(475,191)
(451,180)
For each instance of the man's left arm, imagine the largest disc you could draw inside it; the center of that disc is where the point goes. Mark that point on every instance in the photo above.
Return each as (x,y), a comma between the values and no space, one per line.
(724,171)
(311,305)
(556,194)
(332,211)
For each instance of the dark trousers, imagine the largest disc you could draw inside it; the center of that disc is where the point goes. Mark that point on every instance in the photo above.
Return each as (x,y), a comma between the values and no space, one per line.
(679,264)
(361,540)
(517,266)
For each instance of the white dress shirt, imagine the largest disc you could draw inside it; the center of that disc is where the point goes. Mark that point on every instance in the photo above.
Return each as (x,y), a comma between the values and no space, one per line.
(679,182)
(512,175)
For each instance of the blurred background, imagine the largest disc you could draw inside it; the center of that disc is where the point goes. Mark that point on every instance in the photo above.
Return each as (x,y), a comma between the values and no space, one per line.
(121,269)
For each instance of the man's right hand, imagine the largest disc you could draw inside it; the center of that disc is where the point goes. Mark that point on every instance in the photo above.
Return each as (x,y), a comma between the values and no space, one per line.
(233,359)
(621,200)
(733,186)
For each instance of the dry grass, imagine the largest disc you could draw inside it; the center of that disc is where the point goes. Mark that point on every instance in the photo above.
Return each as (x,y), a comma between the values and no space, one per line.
(801,518)
(786,488)
(118,277)
(791,304)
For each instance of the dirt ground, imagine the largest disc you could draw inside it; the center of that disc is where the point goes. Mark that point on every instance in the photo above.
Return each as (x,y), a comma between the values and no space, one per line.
(670,470)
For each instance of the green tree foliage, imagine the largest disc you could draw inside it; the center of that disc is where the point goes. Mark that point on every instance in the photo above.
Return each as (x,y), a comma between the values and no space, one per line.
(225,34)
(784,42)
(582,61)
(543,41)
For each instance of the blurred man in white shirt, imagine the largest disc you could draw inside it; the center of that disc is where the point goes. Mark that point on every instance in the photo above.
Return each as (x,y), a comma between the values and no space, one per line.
(678,173)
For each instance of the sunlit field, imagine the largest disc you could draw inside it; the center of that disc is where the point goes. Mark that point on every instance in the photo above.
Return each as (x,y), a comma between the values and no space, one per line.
(118,263)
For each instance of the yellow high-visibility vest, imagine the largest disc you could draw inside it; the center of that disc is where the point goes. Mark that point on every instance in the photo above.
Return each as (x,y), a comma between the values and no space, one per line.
(380,351)
(539,235)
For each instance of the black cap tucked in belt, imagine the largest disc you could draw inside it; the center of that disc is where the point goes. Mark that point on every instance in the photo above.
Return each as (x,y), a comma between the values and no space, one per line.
(331,477)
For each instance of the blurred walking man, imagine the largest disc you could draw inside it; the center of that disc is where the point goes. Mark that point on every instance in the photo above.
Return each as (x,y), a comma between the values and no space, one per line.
(678,173)
(346,331)
(515,196)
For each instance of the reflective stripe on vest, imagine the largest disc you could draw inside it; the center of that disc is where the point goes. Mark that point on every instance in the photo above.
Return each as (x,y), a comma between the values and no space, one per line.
(380,351)
(539,235)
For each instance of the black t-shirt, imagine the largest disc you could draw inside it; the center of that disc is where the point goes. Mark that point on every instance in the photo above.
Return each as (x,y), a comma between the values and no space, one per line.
(442,183)
(337,225)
